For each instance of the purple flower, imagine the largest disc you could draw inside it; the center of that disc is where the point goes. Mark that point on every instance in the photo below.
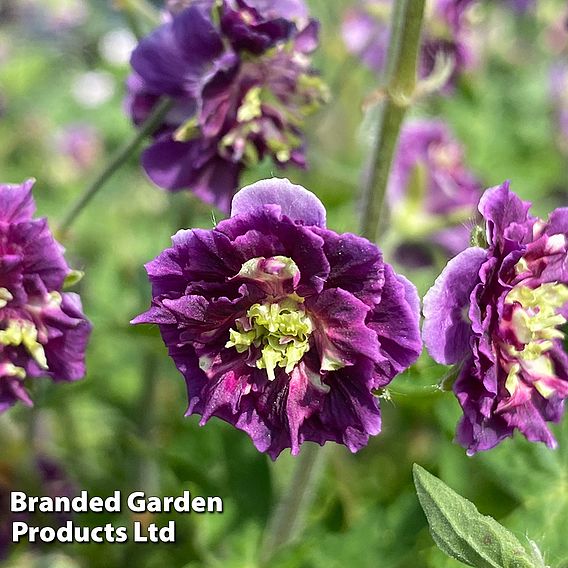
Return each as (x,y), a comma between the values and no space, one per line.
(43,332)
(280,326)
(81,144)
(447,34)
(240,77)
(432,195)
(366,32)
(521,6)
(496,313)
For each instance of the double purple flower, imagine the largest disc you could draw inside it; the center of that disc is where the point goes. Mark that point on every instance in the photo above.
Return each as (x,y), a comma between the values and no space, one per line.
(366,33)
(433,197)
(43,332)
(239,74)
(497,312)
(280,326)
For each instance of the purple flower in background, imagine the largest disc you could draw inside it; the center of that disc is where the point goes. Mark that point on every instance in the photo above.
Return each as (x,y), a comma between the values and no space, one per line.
(240,77)
(496,313)
(81,143)
(366,32)
(43,332)
(447,35)
(521,6)
(432,195)
(559,96)
(280,326)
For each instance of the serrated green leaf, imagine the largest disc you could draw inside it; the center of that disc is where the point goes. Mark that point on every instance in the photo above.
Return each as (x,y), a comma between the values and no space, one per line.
(462,532)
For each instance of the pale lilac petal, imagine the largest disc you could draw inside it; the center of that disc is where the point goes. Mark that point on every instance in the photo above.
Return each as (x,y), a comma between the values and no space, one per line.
(295,201)
(446,329)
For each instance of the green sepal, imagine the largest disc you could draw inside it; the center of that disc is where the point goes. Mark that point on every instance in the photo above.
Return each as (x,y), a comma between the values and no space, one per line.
(73,278)
(187,131)
(478,237)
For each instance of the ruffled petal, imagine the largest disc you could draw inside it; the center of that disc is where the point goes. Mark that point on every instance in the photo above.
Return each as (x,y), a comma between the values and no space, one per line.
(446,328)
(506,215)
(356,265)
(68,335)
(396,323)
(295,201)
(173,59)
(16,202)
(342,335)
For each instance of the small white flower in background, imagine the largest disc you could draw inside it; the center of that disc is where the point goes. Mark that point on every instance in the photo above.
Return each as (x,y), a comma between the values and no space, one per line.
(92,89)
(116,46)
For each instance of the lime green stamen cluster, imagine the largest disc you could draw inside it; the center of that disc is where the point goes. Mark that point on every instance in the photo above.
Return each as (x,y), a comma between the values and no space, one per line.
(24,333)
(280,329)
(5,297)
(536,325)
(251,106)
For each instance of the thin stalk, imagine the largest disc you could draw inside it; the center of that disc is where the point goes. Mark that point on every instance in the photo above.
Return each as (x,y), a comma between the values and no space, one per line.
(115,163)
(404,51)
(401,83)
(134,25)
(142,9)
(148,477)
(294,503)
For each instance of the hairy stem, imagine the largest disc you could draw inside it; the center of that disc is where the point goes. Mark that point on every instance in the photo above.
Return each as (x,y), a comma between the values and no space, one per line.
(115,163)
(404,50)
(294,503)
(401,83)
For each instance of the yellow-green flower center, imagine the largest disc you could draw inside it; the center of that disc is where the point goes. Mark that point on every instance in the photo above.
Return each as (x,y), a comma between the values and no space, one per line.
(535,323)
(5,297)
(281,331)
(21,332)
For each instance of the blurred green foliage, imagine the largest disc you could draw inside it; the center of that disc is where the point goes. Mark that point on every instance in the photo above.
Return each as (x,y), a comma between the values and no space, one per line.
(123,426)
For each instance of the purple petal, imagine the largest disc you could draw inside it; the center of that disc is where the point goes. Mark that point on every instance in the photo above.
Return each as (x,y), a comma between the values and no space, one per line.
(503,211)
(356,265)
(265,232)
(173,59)
(350,413)
(396,322)
(289,9)
(342,335)
(66,351)
(446,329)
(43,264)
(193,165)
(16,202)
(558,222)
(295,201)
(307,40)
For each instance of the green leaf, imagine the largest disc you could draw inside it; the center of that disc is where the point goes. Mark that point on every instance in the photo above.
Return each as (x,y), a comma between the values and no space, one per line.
(462,532)
(537,478)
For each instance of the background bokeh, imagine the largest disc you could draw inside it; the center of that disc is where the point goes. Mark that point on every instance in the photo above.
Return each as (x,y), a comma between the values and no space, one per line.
(62,69)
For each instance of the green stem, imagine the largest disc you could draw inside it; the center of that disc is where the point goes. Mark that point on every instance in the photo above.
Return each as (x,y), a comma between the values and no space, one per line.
(142,9)
(404,50)
(401,82)
(115,163)
(294,503)
(148,478)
